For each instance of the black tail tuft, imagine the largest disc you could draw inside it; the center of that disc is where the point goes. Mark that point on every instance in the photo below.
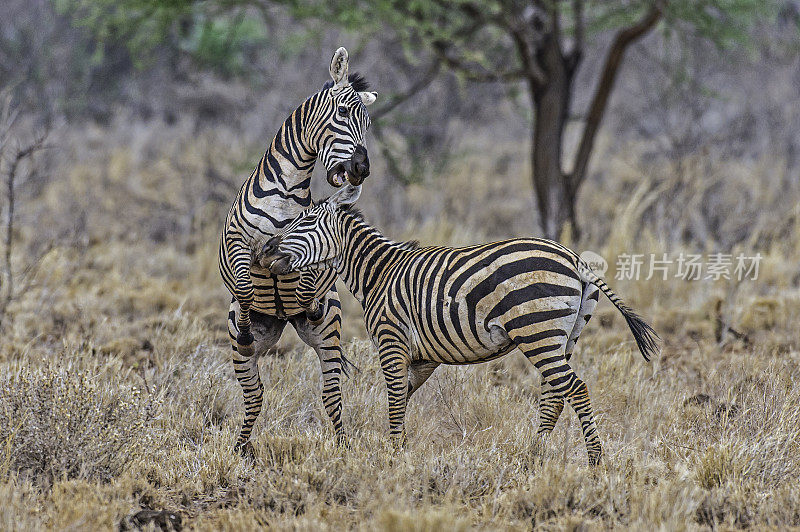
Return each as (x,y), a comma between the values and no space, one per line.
(646,337)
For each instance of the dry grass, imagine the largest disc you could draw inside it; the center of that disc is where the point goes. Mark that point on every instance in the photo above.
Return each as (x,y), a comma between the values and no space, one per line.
(116,391)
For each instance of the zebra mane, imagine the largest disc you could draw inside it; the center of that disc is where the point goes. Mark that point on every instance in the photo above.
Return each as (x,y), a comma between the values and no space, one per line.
(357,81)
(356,213)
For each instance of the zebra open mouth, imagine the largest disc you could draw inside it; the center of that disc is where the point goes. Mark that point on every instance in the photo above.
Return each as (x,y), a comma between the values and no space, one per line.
(338,174)
(355,170)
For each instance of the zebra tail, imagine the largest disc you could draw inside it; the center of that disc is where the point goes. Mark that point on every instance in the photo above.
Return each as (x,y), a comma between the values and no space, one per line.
(646,338)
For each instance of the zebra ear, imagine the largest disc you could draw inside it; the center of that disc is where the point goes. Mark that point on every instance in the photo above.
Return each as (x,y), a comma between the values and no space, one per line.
(339,68)
(347,195)
(368,98)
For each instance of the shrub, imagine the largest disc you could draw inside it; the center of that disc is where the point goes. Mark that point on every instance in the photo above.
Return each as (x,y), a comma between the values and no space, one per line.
(64,423)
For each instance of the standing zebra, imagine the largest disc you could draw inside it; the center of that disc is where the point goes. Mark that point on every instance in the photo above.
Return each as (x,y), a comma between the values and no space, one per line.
(329,126)
(440,305)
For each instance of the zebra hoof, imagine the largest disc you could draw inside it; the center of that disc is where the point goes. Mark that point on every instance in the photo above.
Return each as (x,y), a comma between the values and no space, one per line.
(246,450)
(595,459)
(245,337)
(343,442)
(245,344)
(399,442)
(540,447)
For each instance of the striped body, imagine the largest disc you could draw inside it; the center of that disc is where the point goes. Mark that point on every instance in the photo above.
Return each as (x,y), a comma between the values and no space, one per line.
(329,126)
(459,305)
(277,295)
(438,305)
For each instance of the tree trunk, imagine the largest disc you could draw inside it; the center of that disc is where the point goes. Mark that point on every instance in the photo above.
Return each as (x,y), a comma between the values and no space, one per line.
(550,101)
(551,95)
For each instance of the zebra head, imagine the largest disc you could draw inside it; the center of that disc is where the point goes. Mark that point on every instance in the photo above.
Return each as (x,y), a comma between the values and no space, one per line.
(313,241)
(340,124)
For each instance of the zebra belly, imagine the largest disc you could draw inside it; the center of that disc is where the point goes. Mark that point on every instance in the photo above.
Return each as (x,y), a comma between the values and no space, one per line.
(448,347)
(438,332)
(276,295)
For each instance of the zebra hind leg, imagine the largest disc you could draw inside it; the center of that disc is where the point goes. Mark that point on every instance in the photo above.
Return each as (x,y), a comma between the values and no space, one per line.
(324,337)
(588,303)
(266,331)
(562,384)
(552,403)
(578,397)
(550,408)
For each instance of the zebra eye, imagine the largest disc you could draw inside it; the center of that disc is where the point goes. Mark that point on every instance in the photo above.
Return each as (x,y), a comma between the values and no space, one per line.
(344,111)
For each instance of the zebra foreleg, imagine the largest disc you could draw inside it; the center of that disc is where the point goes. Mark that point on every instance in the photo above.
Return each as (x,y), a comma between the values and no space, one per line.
(394,363)
(306,297)
(324,337)
(241,260)
(267,331)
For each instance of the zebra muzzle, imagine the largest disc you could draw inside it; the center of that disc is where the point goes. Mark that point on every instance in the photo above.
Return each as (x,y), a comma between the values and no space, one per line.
(280,265)
(271,257)
(359,166)
(355,170)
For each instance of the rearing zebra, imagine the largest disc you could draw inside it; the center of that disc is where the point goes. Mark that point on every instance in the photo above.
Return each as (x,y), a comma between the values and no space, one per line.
(439,305)
(329,126)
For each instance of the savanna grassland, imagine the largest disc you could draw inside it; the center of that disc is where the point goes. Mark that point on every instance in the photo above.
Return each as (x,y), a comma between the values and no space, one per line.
(117,393)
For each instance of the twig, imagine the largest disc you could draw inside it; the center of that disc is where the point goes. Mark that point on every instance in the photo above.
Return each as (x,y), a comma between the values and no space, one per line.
(430,74)
(7,280)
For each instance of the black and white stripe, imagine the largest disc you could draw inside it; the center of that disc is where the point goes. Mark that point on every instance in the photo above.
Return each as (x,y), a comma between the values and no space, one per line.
(439,305)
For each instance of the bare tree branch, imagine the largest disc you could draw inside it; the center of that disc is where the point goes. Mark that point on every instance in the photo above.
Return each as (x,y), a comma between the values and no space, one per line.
(427,78)
(526,37)
(471,74)
(622,40)
(7,292)
(8,116)
(533,71)
(479,19)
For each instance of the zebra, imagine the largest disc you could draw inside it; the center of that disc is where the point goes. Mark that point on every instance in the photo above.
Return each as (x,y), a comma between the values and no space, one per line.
(328,126)
(426,306)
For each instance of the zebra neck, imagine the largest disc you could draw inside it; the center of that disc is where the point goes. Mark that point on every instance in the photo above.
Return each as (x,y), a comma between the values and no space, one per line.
(365,257)
(281,183)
